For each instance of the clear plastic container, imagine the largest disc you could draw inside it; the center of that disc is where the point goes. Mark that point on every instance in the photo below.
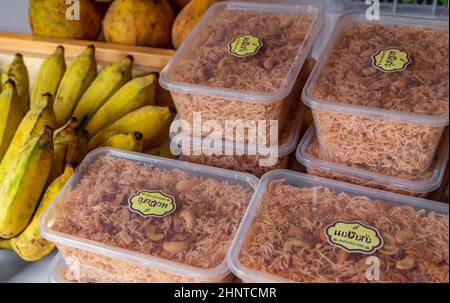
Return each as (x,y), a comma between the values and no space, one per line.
(128,217)
(238,156)
(241,63)
(57,270)
(302,228)
(413,185)
(379,95)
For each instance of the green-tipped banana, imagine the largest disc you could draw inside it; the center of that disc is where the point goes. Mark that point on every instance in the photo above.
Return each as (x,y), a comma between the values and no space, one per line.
(125,141)
(18,72)
(76,80)
(107,83)
(31,125)
(63,139)
(11,114)
(133,95)
(29,244)
(148,120)
(49,76)
(23,185)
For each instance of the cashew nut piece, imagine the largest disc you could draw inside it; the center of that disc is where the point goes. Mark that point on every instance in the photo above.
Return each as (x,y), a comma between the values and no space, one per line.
(175,246)
(189,217)
(291,243)
(153,235)
(406,263)
(389,250)
(389,239)
(404,236)
(270,63)
(185,185)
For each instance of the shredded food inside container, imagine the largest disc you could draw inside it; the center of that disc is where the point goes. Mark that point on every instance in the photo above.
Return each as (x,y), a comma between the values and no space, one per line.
(208,63)
(422,88)
(198,233)
(349,77)
(415,242)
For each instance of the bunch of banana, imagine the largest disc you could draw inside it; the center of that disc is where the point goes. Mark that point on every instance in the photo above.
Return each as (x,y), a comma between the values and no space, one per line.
(125,141)
(5,243)
(148,120)
(21,187)
(74,83)
(11,114)
(133,95)
(107,83)
(29,244)
(49,76)
(18,72)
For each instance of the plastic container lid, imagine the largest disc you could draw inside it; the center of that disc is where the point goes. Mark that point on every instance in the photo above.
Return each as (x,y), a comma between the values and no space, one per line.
(368,69)
(248,42)
(117,201)
(310,216)
(57,265)
(409,185)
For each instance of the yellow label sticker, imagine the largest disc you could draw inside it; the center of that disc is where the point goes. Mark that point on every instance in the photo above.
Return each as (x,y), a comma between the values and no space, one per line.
(244,45)
(151,203)
(354,236)
(391,60)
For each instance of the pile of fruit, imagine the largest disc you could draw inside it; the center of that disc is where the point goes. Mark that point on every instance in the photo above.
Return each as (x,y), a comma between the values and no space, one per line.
(46,130)
(156,23)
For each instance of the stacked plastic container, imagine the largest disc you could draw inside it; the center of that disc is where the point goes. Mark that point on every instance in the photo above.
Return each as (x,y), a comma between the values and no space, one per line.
(236,80)
(379,99)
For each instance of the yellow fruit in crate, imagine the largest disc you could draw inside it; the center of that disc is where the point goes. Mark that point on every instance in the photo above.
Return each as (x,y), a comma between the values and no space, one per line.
(22,186)
(49,76)
(29,244)
(125,141)
(63,138)
(161,152)
(56,18)
(133,95)
(11,114)
(148,120)
(35,120)
(75,82)
(18,72)
(138,22)
(187,19)
(107,83)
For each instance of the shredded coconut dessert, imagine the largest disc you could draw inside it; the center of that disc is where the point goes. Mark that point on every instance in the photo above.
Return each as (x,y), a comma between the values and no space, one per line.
(314,151)
(250,163)
(197,233)
(351,76)
(288,238)
(208,62)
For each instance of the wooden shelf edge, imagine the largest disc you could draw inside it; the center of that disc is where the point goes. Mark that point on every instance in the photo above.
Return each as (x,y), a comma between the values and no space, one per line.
(146,57)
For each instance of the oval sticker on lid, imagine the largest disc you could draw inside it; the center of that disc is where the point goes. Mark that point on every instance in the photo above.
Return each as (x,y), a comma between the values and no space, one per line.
(391,60)
(244,45)
(354,236)
(152,203)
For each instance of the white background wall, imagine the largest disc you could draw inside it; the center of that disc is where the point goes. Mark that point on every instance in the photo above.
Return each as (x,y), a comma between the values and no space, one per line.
(14,16)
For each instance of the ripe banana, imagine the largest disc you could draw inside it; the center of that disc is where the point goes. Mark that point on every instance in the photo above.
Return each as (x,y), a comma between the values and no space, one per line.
(11,114)
(161,152)
(29,244)
(5,243)
(107,83)
(147,120)
(76,80)
(34,121)
(18,72)
(125,141)
(49,76)
(64,138)
(22,186)
(131,96)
